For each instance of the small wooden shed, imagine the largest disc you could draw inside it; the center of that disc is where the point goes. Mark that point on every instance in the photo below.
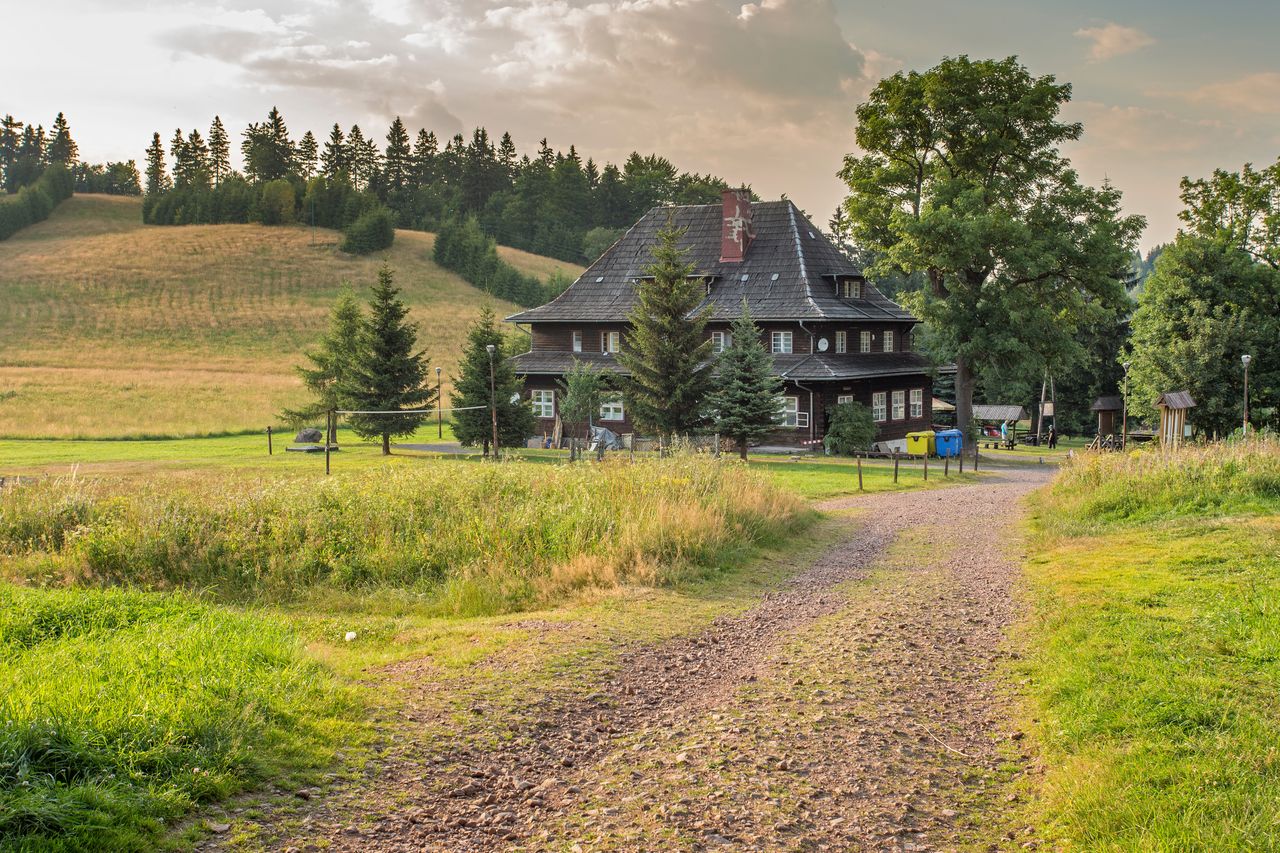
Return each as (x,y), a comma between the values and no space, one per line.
(1174,406)
(1108,409)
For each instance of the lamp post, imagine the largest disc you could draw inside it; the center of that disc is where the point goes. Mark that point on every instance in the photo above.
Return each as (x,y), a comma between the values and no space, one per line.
(493,401)
(1124,406)
(1245,359)
(439,408)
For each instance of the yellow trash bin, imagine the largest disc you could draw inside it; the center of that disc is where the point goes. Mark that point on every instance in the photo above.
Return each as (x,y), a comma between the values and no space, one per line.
(920,443)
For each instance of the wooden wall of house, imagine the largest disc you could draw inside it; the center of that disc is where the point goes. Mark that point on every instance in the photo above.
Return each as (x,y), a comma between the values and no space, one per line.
(558,337)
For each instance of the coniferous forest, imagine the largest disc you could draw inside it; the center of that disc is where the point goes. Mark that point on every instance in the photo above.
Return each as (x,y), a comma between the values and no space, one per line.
(551,202)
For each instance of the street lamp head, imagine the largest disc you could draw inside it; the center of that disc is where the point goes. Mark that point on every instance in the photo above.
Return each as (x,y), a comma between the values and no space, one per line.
(438,369)
(1245,359)
(489,349)
(1125,365)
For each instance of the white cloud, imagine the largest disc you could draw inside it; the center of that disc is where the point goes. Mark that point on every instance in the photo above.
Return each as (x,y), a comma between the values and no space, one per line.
(1112,40)
(1255,93)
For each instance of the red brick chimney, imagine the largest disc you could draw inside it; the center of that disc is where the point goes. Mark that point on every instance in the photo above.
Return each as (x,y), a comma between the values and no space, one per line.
(736,228)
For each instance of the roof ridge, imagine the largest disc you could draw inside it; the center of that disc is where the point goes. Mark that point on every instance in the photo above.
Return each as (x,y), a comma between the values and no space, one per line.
(804,273)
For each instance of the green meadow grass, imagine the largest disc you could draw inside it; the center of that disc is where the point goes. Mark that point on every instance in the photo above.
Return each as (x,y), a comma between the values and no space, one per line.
(1153,651)
(120,711)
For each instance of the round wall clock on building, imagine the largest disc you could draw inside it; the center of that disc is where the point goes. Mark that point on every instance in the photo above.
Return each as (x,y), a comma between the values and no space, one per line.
(823,344)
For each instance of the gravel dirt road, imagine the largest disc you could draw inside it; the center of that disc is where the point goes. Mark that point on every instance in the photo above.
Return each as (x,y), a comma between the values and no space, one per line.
(855,707)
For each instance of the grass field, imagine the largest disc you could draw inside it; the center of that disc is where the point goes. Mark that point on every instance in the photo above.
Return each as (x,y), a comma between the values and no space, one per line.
(221,662)
(112,328)
(1154,651)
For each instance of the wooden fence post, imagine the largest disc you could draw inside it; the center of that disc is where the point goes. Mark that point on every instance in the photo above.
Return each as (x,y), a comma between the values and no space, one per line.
(328,432)
(858,459)
(895,467)
(270,450)
(926,467)
(962,460)
(946,466)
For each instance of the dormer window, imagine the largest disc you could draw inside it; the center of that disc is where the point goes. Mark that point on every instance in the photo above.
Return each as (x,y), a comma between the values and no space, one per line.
(851,288)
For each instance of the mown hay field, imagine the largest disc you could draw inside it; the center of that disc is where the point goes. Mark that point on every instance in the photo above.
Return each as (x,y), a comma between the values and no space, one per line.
(112,328)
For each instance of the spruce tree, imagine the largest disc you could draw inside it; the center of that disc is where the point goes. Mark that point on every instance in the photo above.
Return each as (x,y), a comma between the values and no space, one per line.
(10,139)
(307,152)
(62,148)
(197,154)
(178,150)
(424,158)
(157,176)
(330,362)
(745,401)
(355,160)
(333,160)
(474,427)
(398,156)
(386,374)
(219,152)
(667,351)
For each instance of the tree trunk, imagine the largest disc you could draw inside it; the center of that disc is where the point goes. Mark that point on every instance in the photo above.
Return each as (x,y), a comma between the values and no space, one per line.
(386,444)
(742,449)
(964,401)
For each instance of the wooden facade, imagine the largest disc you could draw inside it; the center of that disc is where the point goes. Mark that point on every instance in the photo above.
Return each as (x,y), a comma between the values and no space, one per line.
(833,336)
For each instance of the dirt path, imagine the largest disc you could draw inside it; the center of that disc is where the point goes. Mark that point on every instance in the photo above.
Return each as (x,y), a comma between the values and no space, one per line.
(852,709)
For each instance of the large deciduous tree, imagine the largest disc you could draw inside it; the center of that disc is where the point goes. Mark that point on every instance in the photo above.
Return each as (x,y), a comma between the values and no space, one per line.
(666,350)
(1207,303)
(962,179)
(474,426)
(387,373)
(746,400)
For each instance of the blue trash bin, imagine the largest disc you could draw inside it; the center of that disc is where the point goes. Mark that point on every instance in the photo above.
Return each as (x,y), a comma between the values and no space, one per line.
(949,442)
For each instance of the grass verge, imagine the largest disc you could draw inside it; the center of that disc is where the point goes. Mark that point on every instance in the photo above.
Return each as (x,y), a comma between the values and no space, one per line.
(1153,651)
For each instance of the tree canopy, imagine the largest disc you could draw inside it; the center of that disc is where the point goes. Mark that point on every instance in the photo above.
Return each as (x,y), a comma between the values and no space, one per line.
(474,426)
(963,180)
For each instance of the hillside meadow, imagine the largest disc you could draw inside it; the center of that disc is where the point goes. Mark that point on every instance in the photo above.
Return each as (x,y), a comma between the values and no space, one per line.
(1152,650)
(110,328)
(162,647)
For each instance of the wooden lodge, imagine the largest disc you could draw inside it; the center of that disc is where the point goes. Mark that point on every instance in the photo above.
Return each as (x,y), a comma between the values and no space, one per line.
(833,336)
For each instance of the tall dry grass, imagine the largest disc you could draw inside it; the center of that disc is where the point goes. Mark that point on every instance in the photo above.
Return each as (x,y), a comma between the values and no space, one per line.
(475,538)
(1093,490)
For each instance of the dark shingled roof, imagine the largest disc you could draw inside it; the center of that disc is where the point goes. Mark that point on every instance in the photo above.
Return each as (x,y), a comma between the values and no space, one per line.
(1108,404)
(796,367)
(1177,400)
(788,273)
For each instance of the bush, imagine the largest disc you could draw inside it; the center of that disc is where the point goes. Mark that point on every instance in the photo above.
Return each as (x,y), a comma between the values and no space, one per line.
(371,231)
(35,202)
(277,203)
(463,247)
(852,429)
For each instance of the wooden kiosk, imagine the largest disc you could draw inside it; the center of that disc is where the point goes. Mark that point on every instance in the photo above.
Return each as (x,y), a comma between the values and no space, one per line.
(1174,406)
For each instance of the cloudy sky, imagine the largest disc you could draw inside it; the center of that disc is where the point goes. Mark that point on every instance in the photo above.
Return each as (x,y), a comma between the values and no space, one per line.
(760,93)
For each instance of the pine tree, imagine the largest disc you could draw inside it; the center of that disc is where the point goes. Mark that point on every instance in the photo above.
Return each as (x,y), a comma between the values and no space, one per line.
(333,160)
(62,148)
(745,400)
(386,374)
(306,157)
(197,161)
(508,157)
(399,156)
(667,351)
(157,176)
(219,152)
(474,427)
(330,362)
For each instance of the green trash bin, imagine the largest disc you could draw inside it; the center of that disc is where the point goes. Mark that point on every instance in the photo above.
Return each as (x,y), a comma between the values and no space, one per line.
(920,443)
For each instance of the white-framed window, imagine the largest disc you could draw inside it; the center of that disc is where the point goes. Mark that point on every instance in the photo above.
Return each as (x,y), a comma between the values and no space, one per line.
(544,403)
(879,410)
(791,414)
(917,402)
(782,342)
(610,341)
(844,398)
(842,341)
(864,342)
(888,340)
(721,341)
(851,289)
(899,405)
(577,341)
(611,408)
